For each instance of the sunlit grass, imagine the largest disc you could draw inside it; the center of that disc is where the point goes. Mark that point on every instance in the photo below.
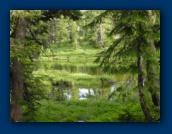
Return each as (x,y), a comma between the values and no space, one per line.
(66,50)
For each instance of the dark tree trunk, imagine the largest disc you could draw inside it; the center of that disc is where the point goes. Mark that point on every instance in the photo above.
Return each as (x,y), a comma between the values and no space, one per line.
(17,75)
(143,104)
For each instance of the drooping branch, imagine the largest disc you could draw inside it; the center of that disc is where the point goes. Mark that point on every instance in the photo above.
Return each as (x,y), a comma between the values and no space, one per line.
(38,41)
(34,37)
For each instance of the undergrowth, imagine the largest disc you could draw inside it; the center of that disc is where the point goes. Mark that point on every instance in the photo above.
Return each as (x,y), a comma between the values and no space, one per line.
(91,110)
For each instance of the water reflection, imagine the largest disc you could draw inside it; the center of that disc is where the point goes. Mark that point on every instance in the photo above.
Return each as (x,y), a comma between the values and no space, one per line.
(85,93)
(68,96)
(112,88)
(63,92)
(83,69)
(100,87)
(71,67)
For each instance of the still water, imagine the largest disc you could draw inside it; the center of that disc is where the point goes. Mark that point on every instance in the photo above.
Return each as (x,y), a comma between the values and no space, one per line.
(102,88)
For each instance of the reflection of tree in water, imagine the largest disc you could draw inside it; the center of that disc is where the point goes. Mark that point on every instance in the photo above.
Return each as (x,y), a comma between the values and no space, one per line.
(61,90)
(86,93)
(109,89)
(74,68)
(123,90)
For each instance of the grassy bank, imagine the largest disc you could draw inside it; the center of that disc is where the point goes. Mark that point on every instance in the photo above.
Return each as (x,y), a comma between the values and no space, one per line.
(84,52)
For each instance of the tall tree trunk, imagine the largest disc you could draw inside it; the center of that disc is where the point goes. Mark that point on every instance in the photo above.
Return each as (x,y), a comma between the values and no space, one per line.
(143,104)
(17,76)
(54,31)
(153,77)
(100,39)
(153,83)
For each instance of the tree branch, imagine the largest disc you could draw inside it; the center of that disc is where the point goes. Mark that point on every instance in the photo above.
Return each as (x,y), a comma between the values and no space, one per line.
(38,41)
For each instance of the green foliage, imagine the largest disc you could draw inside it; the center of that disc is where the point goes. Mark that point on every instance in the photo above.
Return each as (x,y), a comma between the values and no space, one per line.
(137,34)
(135,29)
(88,111)
(25,48)
(51,37)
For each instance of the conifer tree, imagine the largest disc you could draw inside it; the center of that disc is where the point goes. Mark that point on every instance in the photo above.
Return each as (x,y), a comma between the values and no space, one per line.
(26,42)
(133,50)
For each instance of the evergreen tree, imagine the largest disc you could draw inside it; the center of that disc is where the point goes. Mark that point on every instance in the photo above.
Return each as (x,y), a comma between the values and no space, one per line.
(134,45)
(25,44)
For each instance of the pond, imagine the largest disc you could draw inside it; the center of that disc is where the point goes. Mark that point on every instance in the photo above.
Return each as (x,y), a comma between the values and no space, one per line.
(80,80)
(82,67)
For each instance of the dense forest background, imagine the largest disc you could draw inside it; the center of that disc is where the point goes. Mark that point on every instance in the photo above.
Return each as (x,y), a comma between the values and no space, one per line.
(84,65)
